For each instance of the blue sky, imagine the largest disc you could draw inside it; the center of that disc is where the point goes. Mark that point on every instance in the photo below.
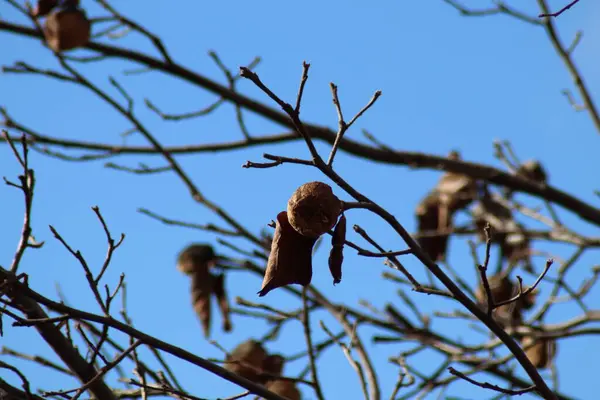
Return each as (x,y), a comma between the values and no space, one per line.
(448,82)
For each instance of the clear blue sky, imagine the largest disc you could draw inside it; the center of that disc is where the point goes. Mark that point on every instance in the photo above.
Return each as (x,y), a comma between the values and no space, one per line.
(448,82)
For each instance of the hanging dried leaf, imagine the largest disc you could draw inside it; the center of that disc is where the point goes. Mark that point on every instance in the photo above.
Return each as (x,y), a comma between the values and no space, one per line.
(284,388)
(313,209)
(502,289)
(336,256)
(196,260)
(290,260)
(221,294)
(66,28)
(201,292)
(541,353)
(247,360)
(428,223)
(456,191)
(43,7)
(514,245)
(453,192)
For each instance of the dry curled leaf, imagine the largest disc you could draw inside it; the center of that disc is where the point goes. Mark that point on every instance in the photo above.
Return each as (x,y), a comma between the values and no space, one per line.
(201,293)
(430,239)
(66,27)
(336,256)
(196,261)
(219,291)
(290,259)
(313,209)
(434,214)
(502,289)
(284,388)
(542,351)
(506,232)
(247,360)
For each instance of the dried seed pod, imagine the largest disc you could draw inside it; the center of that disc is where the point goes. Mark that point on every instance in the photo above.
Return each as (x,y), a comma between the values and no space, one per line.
(290,260)
(196,259)
(221,294)
(428,222)
(284,388)
(533,170)
(313,209)
(542,351)
(336,256)
(273,364)
(247,360)
(43,7)
(66,28)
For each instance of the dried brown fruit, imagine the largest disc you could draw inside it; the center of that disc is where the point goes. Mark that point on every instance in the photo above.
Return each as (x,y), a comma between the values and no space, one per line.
(66,28)
(542,351)
(313,209)
(336,256)
(290,260)
(284,388)
(247,360)
(196,259)
(453,192)
(43,7)
(273,364)
(219,291)
(533,170)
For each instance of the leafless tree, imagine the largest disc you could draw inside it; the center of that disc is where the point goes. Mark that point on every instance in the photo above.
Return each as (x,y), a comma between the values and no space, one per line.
(507,311)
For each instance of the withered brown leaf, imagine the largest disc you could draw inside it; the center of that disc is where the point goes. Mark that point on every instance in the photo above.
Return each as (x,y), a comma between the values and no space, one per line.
(196,260)
(542,351)
(247,360)
(284,388)
(435,212)
(336,255)
(290,259)
(503,289)
(201,291)
(221,294)
(510,236)
(428,222)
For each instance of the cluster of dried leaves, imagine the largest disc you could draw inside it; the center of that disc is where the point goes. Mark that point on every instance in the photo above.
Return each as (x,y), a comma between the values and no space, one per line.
(312,211)
(250,360)
(196,261)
